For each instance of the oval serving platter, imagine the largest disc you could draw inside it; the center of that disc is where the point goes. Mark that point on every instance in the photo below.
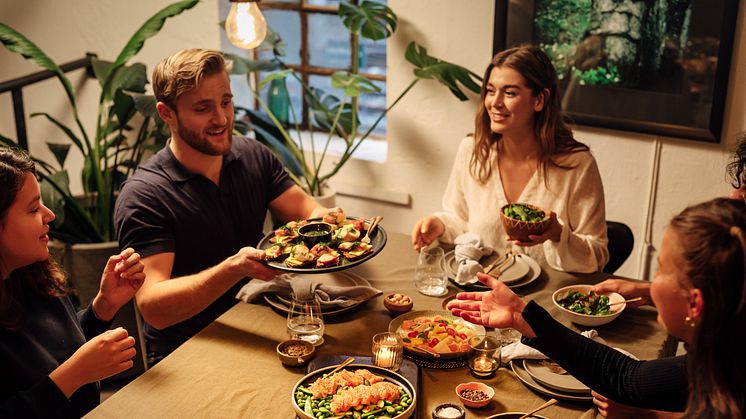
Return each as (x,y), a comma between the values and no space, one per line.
(377,240)
(389,376)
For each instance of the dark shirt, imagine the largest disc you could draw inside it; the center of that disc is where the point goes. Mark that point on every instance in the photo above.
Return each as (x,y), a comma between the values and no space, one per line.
(49,334)
(165,208)
(660,384)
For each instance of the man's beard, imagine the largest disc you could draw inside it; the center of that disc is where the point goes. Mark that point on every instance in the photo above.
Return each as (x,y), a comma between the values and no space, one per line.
(203,145)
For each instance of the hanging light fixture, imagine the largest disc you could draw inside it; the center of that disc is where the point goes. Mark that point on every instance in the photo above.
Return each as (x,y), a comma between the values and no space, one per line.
(245,25)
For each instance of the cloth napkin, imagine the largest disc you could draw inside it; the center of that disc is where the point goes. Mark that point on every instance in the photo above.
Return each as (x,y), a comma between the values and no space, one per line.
(469,249)
(518,350)
(305,289)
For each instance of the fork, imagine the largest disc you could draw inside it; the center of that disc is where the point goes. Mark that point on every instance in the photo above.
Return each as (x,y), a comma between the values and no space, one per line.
(377,219)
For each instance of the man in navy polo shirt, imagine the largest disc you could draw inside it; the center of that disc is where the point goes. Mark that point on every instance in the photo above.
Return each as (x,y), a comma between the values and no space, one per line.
(194,210)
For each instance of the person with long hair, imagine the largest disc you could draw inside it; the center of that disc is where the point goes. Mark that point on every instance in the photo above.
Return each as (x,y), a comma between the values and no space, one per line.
(51,359)
(700,292)
(523,151)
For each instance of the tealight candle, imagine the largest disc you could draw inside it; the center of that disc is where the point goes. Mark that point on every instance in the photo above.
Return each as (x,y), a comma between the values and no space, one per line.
(483,364)
(483,357)
(387,350)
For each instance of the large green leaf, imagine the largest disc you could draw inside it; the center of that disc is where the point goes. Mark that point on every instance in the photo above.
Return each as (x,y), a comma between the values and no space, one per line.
(150,28)
(274,76)
(81,228)
(325,106)
(60,152)
(448,74)
(353,85)
(268,134)
(132,78)
(243,66)
(145,104)
(18,43)
(370,20)
(123,107)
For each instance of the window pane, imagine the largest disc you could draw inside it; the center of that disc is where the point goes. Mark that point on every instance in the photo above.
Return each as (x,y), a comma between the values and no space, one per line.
(371,105)
(278,1)
(294,89)
(325,2)
(287,24)
(328,41)
(372,56)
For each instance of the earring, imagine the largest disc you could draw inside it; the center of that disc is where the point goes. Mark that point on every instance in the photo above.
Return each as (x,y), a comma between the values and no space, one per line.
(689,321)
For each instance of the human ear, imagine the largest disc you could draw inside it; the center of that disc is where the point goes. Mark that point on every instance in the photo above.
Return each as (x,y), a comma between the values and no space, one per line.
(541,100)
(167,114)
(696,303)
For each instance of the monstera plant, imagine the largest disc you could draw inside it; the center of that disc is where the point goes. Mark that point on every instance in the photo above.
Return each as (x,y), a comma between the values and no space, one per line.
(337,116)
(113,148)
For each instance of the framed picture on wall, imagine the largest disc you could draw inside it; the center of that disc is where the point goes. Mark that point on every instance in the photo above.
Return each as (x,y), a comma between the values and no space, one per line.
(653,67)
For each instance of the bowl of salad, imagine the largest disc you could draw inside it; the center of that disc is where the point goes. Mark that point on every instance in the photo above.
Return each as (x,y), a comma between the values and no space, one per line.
(521,220)
(579,304)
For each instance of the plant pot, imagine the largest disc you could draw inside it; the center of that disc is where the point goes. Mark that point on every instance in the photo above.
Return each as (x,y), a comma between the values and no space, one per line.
(328,197)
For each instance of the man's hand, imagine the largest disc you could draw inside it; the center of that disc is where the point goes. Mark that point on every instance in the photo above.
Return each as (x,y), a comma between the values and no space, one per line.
(249,262)
(426,231)
(122,277)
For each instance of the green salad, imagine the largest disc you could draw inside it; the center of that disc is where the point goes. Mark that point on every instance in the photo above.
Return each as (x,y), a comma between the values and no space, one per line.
(591,303)
(523,212)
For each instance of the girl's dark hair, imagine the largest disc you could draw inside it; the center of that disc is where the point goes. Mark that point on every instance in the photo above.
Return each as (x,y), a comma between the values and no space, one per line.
(738,163)
(43,277)
(555,136)
(713,236)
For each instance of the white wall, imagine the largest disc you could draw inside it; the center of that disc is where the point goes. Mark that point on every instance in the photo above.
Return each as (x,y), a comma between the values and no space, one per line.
(424,129)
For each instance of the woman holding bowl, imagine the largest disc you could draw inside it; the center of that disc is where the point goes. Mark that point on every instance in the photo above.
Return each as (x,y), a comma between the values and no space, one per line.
(50,358)
(700,292)
(522,151)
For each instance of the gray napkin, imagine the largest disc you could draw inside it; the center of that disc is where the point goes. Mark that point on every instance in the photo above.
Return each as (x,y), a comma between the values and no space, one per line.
(305,289)
(469,249)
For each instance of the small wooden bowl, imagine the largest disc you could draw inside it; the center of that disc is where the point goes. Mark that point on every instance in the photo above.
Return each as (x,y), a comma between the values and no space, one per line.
(295,360)
(520,230)
(396,306)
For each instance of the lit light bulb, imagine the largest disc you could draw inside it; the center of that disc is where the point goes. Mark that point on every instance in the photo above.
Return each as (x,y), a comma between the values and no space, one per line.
(245,25)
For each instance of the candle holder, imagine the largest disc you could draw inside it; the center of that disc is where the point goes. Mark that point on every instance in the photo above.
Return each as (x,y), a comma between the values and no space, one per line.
(388,350)
(483,357)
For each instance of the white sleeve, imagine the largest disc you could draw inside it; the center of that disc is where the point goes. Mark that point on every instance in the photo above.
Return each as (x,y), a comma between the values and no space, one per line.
(583,243)
(455,214)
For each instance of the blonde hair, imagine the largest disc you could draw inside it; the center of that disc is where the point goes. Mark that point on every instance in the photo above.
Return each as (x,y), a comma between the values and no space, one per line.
(183,71)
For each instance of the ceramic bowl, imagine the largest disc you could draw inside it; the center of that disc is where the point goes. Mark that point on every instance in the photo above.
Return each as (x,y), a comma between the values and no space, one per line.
(397,302)
(290,355)
(314,233)
(440,411)
(475,386)
(587,319)
(520,230)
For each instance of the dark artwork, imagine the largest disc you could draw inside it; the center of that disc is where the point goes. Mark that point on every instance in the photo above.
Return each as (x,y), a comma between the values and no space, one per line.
(652,66)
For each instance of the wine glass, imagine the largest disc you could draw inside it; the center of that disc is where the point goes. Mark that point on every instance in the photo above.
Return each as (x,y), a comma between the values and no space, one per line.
(430,275)
(305,321)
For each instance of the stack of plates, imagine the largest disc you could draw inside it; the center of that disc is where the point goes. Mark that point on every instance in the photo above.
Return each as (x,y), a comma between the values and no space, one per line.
(541,377)
(522,272)
(342,278)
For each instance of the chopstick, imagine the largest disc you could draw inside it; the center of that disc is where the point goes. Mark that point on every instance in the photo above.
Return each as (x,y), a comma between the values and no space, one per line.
(631,300)
(347,362)
(545,405)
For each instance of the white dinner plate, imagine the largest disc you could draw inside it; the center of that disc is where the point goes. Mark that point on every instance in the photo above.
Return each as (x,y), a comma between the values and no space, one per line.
(340,278)
(542,373)
(523,375)
(533,273)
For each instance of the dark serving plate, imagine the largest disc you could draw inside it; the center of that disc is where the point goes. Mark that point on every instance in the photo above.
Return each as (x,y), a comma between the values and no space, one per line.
(377,240)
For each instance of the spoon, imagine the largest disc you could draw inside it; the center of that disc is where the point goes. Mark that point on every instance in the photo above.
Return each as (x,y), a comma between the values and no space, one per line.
(347,362)
(545,405)
(377,219)
(631,300)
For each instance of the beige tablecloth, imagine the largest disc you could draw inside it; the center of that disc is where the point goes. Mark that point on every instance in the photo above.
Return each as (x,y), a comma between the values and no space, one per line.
(230,369)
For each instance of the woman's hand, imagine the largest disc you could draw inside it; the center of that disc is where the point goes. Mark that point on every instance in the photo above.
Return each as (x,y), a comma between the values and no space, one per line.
(426,231)
(122,277)
(103,356)
(611,409)
(498,308)
(553,233)
(628,289)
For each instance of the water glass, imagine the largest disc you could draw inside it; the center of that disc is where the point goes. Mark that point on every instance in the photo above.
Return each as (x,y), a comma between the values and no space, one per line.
(388,350)
(483,357)
(305,321)
(430,275)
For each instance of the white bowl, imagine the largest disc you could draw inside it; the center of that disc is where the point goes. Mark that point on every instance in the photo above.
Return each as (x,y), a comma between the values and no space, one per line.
(587,319)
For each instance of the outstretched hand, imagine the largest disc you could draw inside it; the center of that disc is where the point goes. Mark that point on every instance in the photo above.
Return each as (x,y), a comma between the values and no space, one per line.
(122,277)
(498,308)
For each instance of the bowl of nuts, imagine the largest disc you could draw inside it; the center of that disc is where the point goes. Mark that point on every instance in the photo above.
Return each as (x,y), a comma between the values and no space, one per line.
(295,352)
(474,394)
(397,303)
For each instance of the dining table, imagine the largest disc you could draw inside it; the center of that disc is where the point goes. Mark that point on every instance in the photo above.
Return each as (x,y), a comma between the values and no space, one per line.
(230,369)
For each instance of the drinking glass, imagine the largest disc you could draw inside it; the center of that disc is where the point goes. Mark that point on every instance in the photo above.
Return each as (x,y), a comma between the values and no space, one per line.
(305,321)
(388,350)
(430,275)
(483,356)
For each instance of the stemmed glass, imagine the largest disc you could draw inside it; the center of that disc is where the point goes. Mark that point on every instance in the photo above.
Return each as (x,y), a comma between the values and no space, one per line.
(430,275)
(305,321)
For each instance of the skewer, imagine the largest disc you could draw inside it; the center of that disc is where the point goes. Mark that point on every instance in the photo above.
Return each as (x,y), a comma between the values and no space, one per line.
(347,362)
(631,300)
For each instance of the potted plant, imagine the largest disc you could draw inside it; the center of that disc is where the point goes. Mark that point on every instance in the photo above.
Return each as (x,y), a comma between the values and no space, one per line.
(111,151)
(337,116)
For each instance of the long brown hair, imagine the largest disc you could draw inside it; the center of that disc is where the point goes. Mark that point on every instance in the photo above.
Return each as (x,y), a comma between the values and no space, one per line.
(555,136)
(43,277)
(713,236)
(738,163)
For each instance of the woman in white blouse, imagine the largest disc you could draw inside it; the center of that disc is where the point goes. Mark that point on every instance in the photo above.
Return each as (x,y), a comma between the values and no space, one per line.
(522,151)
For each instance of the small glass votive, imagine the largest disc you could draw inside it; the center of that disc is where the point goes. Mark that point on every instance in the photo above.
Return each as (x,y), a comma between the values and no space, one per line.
(483,357)
(388,350)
